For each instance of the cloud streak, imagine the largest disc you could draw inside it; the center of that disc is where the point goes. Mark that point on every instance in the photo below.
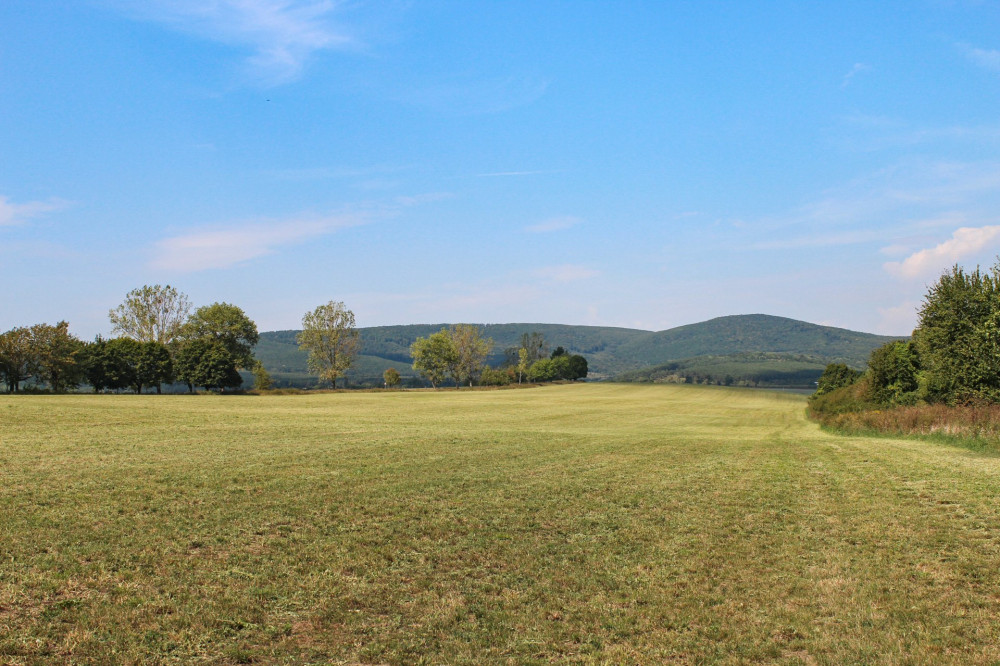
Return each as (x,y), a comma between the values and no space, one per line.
(965,242)
(282,34)
(553,224)
(565,273)
(224,248)
(857,69)
(985,58)
(13,214)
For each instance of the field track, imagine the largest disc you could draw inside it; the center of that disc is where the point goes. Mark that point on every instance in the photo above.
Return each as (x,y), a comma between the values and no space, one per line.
(584,524)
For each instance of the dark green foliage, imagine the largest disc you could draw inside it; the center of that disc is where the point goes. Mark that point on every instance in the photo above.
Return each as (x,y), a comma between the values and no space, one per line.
(17,358)
(893,373)
(228,325)
(56,354)
(612,351)
(754,369)
(836,375)
(208,363)
(577,367)
(959,337)
(122,363)
(97,366)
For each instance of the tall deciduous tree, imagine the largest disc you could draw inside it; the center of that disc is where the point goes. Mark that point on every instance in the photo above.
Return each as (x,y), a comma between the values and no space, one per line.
(151,314)
(534,343)
(471,350)
(228,325)
(329,335)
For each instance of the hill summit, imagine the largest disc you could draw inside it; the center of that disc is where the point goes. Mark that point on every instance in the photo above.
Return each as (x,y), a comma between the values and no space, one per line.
(611,351)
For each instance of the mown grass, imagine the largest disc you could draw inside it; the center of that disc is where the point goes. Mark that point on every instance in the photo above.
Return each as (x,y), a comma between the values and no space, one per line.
(583,524)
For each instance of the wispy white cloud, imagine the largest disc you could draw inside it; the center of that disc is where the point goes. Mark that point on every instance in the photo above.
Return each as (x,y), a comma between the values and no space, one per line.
(965,242)
(857,69)
(223,248)
(985,58)
(553,224)
(12,214)
(565,273)
(420,199)
(898,319)
(281,34)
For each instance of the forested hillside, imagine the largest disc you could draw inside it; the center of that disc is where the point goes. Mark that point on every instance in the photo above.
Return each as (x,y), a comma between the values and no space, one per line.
(612,351)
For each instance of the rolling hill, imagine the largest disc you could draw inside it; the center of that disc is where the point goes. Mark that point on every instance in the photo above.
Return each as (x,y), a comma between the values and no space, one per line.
(728,345)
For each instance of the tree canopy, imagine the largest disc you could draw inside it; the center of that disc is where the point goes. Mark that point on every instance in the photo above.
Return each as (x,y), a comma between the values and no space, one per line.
(228,325)
(151,314)
(330,337)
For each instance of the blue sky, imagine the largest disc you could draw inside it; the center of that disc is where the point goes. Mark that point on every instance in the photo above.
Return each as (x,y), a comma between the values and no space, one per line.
(640,164)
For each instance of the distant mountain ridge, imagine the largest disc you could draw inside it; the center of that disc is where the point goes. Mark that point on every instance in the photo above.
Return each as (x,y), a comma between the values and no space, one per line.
(610,351)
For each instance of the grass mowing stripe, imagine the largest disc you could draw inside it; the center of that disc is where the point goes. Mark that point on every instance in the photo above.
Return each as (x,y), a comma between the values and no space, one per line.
(587,524)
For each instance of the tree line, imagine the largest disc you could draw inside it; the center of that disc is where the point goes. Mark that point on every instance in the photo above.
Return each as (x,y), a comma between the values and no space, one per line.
(159,340)
(459,353)
(952,358)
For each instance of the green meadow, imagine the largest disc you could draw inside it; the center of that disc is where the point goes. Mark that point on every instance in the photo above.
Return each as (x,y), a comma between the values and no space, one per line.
(591,523)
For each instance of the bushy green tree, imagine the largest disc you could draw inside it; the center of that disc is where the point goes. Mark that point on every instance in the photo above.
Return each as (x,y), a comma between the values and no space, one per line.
(893,373)
(434,356)
(97,365)
(544,370)
(56,356)
(208,363)
(17,357)
(578,368)
(391,377)
(958,336)
(128,363)
(835,376)
(228,325)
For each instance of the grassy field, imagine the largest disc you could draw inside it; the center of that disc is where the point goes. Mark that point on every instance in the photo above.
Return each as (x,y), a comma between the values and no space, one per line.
(585,524)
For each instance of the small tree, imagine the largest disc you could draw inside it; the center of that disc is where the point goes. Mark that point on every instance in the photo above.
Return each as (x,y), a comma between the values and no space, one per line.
(835,376)
(261,377)
(55,354)
(577,367)
(151,314)
(329,335)
(391,377)
(523,364)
